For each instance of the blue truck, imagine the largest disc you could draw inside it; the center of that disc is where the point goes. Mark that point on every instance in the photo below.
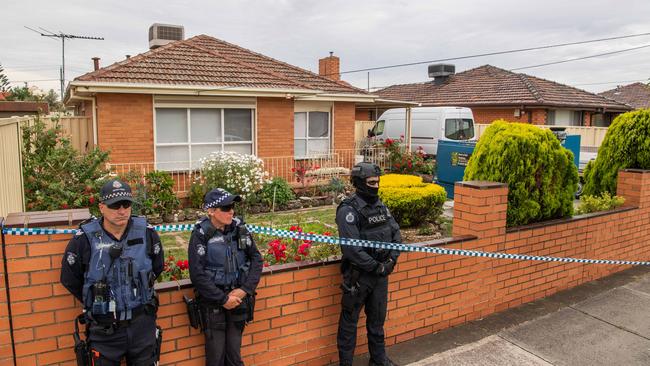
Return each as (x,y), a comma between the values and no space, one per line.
(453,156)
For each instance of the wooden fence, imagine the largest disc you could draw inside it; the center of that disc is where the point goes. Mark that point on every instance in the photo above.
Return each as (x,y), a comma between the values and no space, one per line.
(361,131)
(11,177)
(589,136)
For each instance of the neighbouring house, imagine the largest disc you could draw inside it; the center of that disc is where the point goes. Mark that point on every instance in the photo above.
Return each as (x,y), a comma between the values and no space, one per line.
(494,93)
(636,95)
(185,98)
(20,108)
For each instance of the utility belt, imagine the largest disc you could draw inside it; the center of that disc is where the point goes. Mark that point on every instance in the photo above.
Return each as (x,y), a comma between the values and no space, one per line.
(109,320)
(86,355)
(204,316)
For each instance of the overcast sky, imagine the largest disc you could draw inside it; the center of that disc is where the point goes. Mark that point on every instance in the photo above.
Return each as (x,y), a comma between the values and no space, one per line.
(362,33)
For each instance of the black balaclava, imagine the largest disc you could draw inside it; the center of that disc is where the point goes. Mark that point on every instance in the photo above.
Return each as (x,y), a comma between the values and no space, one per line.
(367,193)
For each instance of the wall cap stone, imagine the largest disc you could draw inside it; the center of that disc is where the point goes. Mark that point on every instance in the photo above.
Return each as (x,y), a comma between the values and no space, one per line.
(640,171)
(47,218)
(481,184)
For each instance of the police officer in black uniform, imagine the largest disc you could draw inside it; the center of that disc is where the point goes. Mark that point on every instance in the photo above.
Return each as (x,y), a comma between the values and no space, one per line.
(225,268)
(111,265)
(365,270)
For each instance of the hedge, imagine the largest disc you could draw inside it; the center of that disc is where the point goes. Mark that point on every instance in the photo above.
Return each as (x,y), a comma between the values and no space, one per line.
(626,145)
(410,200)
(540,173)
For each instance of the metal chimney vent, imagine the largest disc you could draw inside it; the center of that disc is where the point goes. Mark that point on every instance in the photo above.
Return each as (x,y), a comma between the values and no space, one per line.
(440,72)
(161,34)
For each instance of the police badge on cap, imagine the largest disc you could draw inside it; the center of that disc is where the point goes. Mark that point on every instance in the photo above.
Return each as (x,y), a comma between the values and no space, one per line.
(115,191)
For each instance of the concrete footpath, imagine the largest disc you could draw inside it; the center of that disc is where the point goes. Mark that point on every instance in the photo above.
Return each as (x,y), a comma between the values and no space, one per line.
(604,322)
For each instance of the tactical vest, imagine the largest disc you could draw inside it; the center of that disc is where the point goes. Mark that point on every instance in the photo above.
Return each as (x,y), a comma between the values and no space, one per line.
(374,224)
(226,259)
(126,277)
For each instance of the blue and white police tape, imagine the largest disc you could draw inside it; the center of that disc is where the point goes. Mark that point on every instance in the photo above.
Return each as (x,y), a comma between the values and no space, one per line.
(354,242)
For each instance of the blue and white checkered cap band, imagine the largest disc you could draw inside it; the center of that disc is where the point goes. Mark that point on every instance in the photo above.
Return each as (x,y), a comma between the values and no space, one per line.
(216,202)
(354,242)
(116,194)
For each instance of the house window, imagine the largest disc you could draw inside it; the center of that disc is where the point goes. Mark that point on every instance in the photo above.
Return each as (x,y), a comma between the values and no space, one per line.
(185,135)
(311,134)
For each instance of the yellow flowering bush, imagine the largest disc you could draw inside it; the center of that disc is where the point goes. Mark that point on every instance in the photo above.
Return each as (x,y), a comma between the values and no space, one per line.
(410,200)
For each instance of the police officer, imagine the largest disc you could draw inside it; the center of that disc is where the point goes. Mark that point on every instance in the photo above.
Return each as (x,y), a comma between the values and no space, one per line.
(225,268)
(365,270)
(111,265)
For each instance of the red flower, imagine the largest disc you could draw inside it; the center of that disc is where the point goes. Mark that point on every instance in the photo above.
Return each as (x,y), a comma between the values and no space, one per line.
(297,258)
(266,264)
(327,233)
(64,206)
(91,200)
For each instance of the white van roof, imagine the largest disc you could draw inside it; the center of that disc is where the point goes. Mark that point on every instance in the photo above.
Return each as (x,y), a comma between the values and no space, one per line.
(424,110)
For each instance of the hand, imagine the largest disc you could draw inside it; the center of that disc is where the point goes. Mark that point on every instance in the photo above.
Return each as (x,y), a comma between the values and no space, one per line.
(380,270)
(389,265)
(241,294)
(233,302)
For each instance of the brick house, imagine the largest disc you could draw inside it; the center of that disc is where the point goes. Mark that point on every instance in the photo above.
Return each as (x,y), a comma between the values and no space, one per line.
(493,93)
(178,102)
(636,95)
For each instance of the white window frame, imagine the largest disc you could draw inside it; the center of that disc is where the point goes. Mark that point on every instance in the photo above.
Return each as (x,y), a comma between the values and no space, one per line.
(189,142)
(307,138)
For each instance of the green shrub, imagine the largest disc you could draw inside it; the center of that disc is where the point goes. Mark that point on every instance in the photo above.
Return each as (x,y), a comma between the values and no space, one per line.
(626,145)
(595,203)
(55,175)
(279,187)
(197,192)
(403,161)
(412,202)
(159,195)
(540,173)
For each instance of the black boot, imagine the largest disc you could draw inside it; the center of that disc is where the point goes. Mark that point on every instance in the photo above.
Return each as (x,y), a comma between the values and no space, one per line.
(387,362)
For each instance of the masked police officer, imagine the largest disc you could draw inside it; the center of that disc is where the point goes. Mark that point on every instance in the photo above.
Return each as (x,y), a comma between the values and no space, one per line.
(111,265)
(225,268)
(365,270)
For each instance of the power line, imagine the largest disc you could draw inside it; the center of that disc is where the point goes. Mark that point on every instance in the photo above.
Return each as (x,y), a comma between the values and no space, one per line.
(612,82)
(496,53)
(581,58)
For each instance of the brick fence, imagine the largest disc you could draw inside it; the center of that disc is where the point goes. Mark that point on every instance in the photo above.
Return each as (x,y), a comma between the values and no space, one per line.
(297,310)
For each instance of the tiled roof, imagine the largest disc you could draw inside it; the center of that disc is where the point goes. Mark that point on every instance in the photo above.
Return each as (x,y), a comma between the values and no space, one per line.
(636,95)
(204,60)
(491,86)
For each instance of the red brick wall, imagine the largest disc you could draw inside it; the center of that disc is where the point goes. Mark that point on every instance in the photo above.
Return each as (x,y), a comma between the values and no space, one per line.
(485,115)
(274,127)
(362,115)
(125,126)
(297,311)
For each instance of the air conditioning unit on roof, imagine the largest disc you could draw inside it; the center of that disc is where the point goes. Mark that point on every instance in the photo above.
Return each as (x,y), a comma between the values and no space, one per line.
(161,34)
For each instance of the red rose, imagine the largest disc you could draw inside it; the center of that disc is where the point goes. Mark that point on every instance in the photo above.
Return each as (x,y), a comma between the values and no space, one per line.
(91,199)
(64,206)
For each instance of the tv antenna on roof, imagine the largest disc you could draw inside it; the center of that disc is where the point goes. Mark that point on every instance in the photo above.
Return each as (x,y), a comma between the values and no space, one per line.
(63,37)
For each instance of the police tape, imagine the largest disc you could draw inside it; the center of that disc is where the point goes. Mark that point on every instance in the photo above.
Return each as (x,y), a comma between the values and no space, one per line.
(298,235)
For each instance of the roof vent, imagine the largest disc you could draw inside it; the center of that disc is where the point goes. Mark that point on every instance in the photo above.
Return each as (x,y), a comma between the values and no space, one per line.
(161,34)
(441,72)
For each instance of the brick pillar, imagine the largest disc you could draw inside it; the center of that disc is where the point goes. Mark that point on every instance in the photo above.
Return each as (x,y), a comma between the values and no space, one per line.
(329,67)
(6,344)
(634,185)
(480,209)
(42,310)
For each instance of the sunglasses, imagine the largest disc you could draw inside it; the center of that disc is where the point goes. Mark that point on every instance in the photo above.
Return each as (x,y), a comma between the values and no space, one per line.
(117,205)
(226,208)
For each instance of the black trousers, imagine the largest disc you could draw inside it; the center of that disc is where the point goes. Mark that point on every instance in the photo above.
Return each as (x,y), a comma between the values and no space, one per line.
(373,296)
(223,336)
(135,341)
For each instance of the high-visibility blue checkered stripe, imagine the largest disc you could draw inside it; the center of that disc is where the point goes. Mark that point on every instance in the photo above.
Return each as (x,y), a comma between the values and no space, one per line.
(353,242)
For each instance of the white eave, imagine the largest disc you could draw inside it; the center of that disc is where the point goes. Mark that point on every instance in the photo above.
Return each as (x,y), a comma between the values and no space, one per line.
(91,87)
